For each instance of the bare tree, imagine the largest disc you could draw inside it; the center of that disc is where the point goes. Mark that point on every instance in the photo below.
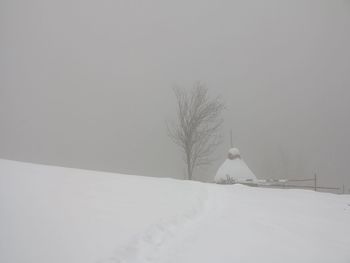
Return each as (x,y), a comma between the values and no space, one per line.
(197,125)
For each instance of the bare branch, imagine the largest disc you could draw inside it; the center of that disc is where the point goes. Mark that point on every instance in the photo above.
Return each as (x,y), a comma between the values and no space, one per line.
(197,126)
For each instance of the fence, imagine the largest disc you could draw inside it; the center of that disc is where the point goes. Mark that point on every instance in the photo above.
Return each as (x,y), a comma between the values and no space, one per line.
(285,183)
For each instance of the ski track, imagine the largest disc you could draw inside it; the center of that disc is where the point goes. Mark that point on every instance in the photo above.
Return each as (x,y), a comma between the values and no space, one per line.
(161,242)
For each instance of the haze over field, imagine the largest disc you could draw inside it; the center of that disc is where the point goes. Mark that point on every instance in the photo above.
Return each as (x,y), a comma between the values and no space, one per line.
(88,83)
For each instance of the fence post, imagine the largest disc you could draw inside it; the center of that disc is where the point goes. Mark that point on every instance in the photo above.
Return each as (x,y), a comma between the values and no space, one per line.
(315,178)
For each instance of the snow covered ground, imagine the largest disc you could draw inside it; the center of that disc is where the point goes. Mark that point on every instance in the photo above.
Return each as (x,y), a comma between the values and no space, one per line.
(61,215)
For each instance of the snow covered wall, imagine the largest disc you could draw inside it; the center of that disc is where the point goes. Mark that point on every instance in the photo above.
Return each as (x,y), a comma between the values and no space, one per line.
(61,215)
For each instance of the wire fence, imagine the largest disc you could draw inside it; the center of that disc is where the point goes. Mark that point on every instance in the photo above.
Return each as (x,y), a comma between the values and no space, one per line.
(293,183)
(303,183)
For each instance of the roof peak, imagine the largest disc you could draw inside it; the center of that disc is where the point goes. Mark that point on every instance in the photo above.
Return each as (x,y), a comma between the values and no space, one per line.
(234,153)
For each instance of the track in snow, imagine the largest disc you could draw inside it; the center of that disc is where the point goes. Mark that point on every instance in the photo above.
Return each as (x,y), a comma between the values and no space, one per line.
(242,224)
(161,241)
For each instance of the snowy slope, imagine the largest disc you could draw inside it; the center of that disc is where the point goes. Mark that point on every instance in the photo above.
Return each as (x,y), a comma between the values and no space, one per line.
(53,214)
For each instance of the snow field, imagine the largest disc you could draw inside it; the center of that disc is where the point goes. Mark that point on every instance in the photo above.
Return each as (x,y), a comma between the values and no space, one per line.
(54,214)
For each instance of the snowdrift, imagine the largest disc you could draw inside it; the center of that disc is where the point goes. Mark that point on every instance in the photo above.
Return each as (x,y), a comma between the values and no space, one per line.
(54,214)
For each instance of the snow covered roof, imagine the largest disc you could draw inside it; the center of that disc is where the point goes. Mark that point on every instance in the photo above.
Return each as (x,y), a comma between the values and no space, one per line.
(234,168)
(234,153)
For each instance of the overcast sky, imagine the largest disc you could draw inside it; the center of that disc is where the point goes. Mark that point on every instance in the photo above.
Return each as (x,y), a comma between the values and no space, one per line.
(88,83)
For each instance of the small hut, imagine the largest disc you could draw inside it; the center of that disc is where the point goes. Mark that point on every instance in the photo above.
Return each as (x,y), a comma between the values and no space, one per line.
(234,170)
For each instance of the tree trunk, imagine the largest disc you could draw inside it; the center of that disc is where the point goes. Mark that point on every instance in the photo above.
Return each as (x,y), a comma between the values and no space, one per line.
(189,171)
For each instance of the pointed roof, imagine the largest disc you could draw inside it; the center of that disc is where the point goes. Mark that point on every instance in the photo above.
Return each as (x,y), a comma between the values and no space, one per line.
(234,168)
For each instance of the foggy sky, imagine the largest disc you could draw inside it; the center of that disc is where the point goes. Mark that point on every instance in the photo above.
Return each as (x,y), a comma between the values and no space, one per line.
(88,84)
